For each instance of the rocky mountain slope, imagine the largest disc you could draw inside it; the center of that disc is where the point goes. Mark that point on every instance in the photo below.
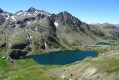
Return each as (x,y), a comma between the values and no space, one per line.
(37,30)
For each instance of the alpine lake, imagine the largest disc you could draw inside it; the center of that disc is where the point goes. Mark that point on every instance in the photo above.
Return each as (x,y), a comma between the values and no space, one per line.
(61,57)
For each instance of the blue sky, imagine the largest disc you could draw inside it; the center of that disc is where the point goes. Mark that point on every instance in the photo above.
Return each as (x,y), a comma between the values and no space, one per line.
(90,11)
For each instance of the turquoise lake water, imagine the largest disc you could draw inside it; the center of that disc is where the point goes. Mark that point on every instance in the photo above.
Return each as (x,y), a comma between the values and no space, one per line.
(61,57)
(103,43)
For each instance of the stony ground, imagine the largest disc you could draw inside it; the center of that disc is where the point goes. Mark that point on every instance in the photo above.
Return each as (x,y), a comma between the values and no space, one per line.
(104,67)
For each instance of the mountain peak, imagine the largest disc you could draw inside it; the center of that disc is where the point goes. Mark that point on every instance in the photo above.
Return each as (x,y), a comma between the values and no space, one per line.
(31,9)
(1,11)
(64,12)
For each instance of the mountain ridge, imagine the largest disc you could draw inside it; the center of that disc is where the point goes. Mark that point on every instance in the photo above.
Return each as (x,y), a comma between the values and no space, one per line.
(42,31)
(35,32)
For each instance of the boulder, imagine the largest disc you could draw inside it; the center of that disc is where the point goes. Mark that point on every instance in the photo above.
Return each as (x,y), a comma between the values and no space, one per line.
(2,45)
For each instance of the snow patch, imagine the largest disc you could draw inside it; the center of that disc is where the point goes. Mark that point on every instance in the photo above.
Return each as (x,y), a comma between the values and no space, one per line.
(30,37)
(29,14)
(34,21)
(8,15)
(13,18)
(7,18)
(28,22)
(24,13)
(45,45)
(36,29)
(16,26)
(19,13)
(56,24)
(36,11)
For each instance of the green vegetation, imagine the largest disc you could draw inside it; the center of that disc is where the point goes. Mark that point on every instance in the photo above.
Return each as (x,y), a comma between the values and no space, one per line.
(38,34)
(105,63)
(3,63)
(23,70)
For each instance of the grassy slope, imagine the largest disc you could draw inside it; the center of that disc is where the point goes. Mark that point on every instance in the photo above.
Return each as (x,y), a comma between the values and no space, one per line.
(105,67)
(24,70)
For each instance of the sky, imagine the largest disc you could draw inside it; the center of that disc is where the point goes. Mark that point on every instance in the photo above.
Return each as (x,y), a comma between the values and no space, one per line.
(89,11)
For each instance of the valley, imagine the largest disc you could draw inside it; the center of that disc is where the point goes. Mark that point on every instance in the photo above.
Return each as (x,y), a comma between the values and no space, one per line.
(39,33)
